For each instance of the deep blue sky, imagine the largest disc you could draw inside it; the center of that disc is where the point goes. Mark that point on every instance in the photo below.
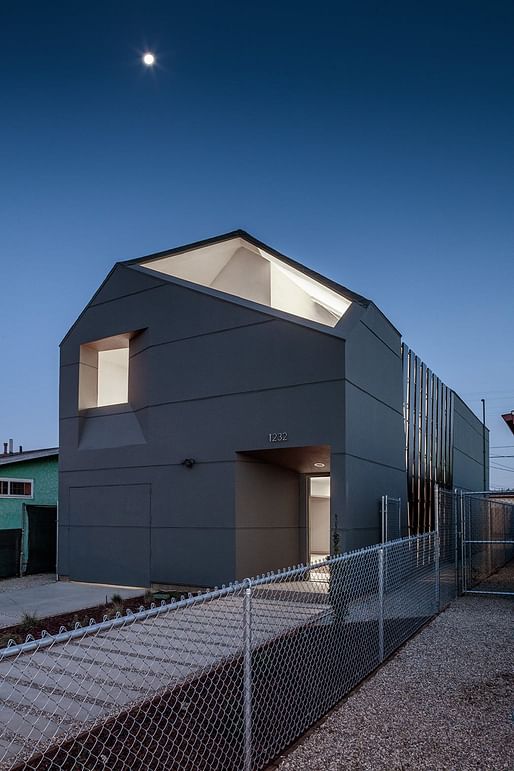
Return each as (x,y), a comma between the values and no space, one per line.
(372,141)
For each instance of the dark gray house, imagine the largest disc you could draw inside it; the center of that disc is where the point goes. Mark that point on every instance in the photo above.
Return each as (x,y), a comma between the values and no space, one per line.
(223,409)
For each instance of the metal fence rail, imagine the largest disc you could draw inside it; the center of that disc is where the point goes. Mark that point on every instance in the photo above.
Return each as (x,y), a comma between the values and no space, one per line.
(222,681)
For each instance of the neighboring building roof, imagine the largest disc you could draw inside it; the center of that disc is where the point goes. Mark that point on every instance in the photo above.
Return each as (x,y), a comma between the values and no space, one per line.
(509,420)
(18,457)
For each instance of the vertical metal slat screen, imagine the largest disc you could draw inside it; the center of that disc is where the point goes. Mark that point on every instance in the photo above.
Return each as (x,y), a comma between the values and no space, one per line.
(428,416)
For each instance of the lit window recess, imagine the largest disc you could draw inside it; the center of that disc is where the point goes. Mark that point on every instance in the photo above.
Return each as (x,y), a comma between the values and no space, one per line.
(16,488)
(113,368)
(104,372)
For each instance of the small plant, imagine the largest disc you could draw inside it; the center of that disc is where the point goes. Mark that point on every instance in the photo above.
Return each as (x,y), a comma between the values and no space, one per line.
(28,622)
(117,599)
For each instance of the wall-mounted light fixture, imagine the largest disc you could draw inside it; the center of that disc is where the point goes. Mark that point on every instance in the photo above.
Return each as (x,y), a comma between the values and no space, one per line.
(188,462)
(319,465)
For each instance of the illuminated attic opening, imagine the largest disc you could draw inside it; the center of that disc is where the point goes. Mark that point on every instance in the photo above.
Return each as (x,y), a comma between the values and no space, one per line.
(239,268)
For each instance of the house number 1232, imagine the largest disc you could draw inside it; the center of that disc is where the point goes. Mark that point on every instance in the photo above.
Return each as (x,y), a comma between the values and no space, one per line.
(280,436)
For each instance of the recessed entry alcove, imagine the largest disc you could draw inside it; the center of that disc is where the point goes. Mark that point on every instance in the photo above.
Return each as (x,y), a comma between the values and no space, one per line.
(282,510)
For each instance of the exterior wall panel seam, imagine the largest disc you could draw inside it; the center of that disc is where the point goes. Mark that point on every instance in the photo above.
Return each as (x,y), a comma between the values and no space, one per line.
(395,353)
(375,398)
(226,394)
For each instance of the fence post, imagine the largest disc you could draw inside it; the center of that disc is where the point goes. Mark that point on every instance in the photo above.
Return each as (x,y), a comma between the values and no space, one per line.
(462,545)
(437,550)
(381,604)
(247,677)
(384,518)
(455,515)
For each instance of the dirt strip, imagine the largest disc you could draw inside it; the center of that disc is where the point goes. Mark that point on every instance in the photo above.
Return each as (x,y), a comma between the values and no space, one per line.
(444,702)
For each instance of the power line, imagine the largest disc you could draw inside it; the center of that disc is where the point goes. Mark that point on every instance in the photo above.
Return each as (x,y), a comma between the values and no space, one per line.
(509,398)
(485,392)
(502,468)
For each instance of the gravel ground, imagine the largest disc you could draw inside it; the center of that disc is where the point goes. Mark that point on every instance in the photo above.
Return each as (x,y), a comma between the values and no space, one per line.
(444,702)
(26,582)
(501,581)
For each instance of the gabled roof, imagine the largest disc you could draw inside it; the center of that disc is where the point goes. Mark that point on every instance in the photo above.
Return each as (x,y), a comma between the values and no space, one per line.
(18,457)
(240,265)
(259,275)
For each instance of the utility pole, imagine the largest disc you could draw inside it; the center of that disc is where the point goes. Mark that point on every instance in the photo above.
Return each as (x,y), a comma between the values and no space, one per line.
(484,487)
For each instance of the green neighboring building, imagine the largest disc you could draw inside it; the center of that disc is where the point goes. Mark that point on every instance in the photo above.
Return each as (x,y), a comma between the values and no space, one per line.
(28,511)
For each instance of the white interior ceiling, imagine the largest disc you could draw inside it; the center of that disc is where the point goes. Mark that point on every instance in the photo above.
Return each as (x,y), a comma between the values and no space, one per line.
(244,270)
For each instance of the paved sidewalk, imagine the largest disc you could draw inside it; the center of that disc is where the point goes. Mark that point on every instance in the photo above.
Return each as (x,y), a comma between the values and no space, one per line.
(43,596)
(443,703)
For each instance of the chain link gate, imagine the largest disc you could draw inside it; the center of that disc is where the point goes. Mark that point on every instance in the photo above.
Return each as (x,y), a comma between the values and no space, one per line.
(486,523)
(391,512)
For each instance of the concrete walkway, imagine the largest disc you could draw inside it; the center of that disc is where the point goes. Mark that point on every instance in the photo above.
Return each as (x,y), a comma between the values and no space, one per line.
(43,596)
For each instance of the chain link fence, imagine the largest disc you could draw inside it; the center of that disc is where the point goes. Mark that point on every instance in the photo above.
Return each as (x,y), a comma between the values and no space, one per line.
(221,681)
(447,523)
(487,543)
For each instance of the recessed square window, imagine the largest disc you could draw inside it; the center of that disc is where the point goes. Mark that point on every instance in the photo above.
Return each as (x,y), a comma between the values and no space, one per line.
(104,372)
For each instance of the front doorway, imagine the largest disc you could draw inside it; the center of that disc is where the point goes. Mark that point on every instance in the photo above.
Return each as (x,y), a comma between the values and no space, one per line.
(273,503)
(318,507)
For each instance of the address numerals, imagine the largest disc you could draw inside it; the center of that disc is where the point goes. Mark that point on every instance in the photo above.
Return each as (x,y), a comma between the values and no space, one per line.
(277,436)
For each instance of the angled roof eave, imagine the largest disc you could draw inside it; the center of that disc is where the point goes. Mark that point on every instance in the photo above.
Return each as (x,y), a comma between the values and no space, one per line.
(120,264)
(135,265)
(271,313)
(339,288)
(86,306)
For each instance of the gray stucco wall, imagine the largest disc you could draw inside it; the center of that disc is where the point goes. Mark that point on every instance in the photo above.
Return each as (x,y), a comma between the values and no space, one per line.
(468,453)
(208,379)
(270,526)
(373,462)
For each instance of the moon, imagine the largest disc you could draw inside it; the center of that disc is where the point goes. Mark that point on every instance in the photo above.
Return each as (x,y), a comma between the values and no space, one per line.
(148,59)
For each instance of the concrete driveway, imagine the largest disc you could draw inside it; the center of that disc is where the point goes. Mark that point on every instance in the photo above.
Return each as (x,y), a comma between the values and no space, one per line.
(43,596)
